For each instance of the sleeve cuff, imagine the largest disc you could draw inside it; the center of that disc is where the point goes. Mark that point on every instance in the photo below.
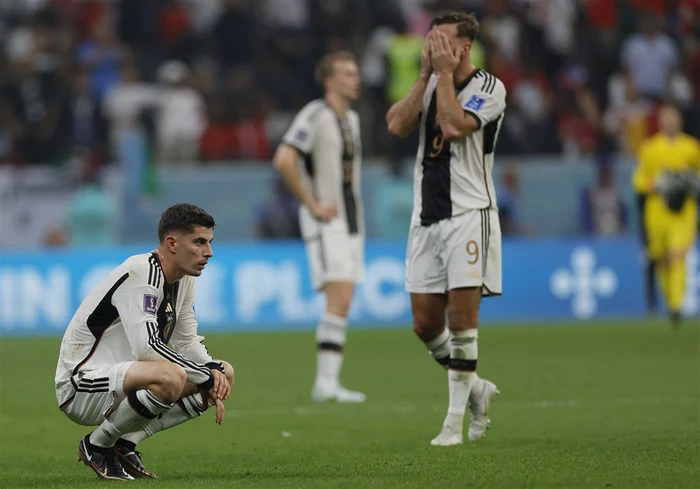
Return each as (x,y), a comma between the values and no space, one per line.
(295,146)
(476,117)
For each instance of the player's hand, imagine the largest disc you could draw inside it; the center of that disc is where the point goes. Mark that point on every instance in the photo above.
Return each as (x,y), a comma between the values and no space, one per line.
(426,65)
(444,59)
(324,213)
(221,388)
(220,408)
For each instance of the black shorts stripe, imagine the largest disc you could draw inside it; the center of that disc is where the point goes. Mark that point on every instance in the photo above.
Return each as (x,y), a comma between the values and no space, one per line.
(93,391)
(65,403)
(483,243)
(96,385)
(321,253)
(92,381)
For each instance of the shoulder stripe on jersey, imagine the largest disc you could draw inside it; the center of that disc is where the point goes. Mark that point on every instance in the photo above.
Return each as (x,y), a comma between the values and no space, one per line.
(489,84)
(486,82)
(318,105)
(155,272)
(157,344)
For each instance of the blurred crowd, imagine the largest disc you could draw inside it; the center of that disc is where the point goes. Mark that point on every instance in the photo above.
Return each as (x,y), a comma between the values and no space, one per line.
(220,80)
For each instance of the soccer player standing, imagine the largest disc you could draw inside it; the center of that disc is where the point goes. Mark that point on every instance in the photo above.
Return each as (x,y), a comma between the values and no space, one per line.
(453,256)
(667,174)
(325,138)
(115,369)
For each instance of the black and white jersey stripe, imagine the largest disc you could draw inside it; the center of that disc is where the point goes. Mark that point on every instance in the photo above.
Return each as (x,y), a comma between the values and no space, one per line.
(155,272)
(161,349)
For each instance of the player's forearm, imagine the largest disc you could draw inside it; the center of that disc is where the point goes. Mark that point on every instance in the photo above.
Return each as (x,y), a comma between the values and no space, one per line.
(402,117)
(290,177)
(453,122)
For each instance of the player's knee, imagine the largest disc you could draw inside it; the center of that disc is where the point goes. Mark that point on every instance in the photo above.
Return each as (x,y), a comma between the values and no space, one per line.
(229,372)
(462,320)
(425,326)
(675,256)
(171,383)
(339,298)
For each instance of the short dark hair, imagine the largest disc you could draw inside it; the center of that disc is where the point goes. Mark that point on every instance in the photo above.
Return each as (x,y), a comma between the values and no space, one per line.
(467,25)
(183,218)
(324,68)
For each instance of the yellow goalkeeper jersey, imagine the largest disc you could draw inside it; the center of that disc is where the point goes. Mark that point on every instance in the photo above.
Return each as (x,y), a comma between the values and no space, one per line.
(659,154)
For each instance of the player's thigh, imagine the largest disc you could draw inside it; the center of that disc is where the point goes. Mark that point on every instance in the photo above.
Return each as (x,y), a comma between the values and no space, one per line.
(96,393)
(657,224)
(425,272)
(428,311)
(165,377)
(682,234)
(331,255)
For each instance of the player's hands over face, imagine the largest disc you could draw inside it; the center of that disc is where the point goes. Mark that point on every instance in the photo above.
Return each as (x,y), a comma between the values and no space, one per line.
(221,388)
(212,400)
(324,213)
(442,56)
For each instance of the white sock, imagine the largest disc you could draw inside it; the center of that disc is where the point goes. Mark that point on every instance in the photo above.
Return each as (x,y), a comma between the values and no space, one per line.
(440,348)
(185,409)
(137,409)
(330,337)
(461,374)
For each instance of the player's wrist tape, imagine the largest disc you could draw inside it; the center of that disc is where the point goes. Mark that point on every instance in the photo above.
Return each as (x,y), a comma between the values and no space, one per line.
(215,366)
(207,384)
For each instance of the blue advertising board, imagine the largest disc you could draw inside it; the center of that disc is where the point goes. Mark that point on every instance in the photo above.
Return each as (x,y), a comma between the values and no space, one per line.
(265,286)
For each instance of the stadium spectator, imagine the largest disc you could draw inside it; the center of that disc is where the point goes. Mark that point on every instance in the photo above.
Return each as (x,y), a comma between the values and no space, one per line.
(181,115)
(650,56)
(545,52)
(601,208)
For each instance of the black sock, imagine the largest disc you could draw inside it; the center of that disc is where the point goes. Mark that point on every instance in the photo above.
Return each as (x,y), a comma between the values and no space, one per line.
(130,446)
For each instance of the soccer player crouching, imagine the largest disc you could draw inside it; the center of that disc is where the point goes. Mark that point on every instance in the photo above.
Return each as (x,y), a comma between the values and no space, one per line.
(115,368)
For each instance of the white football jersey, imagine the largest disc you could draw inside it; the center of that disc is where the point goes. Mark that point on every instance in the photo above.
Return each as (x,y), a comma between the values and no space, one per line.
(331,155)
(132,314)
(453,177)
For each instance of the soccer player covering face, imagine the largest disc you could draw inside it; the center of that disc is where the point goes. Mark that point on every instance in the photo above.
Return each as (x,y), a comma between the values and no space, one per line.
(319,161)
(668,175)
(453,256)
(115,368)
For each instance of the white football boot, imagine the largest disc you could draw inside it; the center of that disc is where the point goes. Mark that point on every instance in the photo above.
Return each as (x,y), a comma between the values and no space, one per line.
(478,406)
(449,436)
(337,394)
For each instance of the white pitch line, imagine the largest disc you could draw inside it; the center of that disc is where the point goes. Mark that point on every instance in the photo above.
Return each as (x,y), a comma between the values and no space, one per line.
(386,408)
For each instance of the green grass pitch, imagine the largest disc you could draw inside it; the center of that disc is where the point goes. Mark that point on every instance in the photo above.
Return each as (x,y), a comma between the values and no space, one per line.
(585,406)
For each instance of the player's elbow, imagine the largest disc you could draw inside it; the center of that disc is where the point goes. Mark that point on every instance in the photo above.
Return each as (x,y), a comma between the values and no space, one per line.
(451,133)
(281,160)
(397,129)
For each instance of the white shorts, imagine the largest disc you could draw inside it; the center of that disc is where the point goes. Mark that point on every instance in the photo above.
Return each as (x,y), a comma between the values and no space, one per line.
(463,251)
(334,254)
(97,392)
